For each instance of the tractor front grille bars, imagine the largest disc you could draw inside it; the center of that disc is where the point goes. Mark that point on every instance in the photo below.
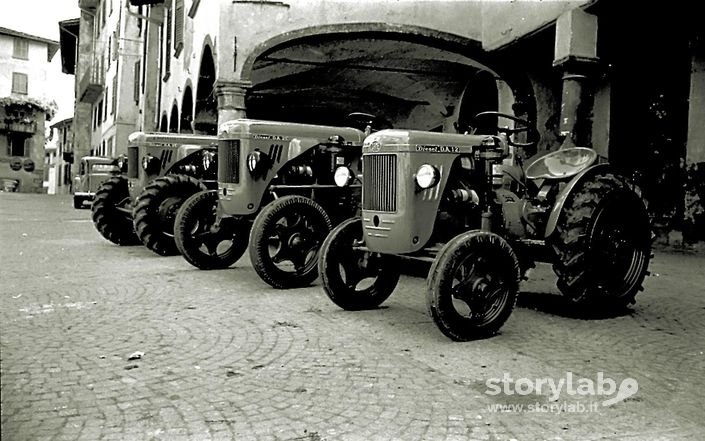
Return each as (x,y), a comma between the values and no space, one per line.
(379,189)
(229,161)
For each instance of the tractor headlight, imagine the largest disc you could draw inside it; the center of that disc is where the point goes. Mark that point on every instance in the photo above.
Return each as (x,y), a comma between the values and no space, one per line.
(207,160)
(257,163)
(427,176)
(343,176)
(122,164)
(150,164)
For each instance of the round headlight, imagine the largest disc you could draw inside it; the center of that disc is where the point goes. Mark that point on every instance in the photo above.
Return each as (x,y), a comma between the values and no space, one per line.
(207,160)
(252,160)
(343,176)
(427,176)
(121,163)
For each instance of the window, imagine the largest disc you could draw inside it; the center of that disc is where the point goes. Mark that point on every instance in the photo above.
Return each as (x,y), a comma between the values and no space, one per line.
(100,112)
(16,145)
(178,27)
(21,49)
(19,83)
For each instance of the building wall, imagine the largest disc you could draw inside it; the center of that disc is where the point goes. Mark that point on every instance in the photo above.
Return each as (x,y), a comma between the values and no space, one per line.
(35,67)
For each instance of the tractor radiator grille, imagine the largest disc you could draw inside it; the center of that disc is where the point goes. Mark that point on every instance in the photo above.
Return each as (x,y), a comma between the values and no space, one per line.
(133,161)
(229,161)
(379,183)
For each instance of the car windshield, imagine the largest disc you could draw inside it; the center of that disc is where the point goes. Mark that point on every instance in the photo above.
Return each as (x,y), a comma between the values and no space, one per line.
(105,168)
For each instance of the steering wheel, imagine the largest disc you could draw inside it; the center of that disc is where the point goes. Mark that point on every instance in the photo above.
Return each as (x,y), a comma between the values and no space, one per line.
(524,126)
(363,120)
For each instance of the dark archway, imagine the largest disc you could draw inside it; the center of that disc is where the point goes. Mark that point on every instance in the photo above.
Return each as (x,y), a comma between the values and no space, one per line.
(187,111)
(174,119)
(206,115)
(480,95)
(412,76)
(164,124)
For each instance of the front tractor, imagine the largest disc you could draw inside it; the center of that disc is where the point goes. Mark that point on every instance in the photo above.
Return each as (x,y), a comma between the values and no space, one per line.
(466,204)
(281,188)
(162,170)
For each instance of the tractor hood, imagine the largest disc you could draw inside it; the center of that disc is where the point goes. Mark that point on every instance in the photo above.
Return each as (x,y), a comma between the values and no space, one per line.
(307,134)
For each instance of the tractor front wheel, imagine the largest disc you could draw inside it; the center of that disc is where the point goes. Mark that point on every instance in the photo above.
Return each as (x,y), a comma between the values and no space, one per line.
(202,244)
(156,208)
(472,285)
(111,212)
(285,239)
(602,244)
(355,279)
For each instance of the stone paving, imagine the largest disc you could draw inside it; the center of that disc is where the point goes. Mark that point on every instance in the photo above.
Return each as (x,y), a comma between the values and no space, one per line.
(228,358)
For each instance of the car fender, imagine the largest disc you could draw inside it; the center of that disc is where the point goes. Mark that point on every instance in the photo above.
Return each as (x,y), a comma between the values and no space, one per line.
(568,190)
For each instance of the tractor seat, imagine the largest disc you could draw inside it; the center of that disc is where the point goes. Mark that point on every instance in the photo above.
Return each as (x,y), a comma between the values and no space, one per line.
(561,164)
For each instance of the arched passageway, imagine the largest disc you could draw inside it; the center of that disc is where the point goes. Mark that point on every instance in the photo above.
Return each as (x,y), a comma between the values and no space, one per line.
(410,80)
(187,111)
(164,124)
(206,113)
(174,119)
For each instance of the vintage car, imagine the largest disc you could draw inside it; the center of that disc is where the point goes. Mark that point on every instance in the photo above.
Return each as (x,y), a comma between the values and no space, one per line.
(92,172)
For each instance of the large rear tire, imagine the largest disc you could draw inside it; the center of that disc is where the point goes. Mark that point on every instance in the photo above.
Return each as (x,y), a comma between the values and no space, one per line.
(111,212)
(285,240)
(203,245)
(602,243)
(355,280)
(156,208)
(472,285)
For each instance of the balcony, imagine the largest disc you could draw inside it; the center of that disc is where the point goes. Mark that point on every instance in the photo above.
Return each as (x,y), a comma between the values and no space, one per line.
(18,127)
(91,86)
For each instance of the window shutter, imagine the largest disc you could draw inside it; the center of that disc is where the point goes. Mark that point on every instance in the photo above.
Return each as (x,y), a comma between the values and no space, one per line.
(19,83)
(178,27)
(113,103)
(136,86)
(20,49)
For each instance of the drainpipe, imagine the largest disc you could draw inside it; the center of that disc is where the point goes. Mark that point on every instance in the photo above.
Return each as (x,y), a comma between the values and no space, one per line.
(576,55)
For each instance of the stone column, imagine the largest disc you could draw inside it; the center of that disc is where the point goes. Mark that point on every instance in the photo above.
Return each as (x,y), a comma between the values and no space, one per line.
(696,110)
(576,55)
(231,99)
(149,120)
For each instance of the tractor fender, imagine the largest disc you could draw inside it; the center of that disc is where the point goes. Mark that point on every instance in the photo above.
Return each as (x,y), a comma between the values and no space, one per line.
(568,190)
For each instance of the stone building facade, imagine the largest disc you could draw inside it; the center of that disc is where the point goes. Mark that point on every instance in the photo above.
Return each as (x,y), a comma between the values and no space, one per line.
(24,108)
(626,82)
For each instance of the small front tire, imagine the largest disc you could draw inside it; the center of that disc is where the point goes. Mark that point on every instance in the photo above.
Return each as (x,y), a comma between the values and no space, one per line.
(472,285)
(355,280)
(285,240)
(203,245)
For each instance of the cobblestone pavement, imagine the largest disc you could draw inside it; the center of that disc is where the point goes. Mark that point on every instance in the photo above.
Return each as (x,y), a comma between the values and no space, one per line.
(227,357)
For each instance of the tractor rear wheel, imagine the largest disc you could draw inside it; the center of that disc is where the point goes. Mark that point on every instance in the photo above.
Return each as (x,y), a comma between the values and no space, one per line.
(203,245)
(156,208)
(472,285)
(602,243)
(352,279)
(111,212)
(285,240)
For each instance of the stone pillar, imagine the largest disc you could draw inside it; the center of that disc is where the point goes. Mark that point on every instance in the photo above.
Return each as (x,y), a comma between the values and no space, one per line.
(576,55)
(231,99)
(149,120)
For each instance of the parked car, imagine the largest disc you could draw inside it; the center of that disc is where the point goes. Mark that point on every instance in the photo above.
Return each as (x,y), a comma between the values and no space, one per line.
(92,172)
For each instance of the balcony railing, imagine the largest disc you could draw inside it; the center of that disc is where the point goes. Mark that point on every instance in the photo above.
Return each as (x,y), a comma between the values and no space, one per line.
(91,86)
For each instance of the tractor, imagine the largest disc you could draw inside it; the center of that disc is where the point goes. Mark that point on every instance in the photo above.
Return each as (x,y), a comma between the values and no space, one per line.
(92,172)
(466,204)
(281,188)
(162,170)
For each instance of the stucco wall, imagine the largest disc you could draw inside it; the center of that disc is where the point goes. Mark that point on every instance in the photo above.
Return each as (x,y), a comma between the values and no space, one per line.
(504,22)
(35,67)
(254,23)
